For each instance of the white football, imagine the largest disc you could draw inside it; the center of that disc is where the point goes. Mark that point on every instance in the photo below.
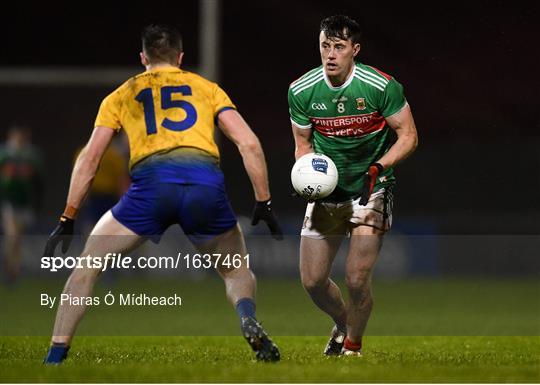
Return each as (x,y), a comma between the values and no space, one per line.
(314,176)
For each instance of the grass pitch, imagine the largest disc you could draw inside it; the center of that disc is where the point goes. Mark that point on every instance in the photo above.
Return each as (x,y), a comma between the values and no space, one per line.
(421,331)
(229,359)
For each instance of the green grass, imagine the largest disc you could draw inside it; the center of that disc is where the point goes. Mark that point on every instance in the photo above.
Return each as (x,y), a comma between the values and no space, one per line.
(228,359)
(459,330)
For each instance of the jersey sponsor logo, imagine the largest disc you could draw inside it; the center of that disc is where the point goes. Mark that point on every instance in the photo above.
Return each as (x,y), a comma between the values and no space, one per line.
(349,126)
(342,98)
(360,104)
(319,164)
(318,106)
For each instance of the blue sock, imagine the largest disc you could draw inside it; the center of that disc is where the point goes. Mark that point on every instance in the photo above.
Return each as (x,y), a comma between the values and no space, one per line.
(245,307)
(57,353)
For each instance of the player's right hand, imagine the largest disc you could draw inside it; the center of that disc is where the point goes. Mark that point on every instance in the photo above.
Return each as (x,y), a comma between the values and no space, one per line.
(263,211)
(62,233)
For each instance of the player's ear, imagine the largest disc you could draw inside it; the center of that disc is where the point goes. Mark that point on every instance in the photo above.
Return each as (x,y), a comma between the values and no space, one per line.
(180,57)
(356,49)
(144,59)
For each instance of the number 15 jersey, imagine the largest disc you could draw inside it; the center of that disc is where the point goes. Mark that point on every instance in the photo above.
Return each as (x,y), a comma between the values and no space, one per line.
(164,109)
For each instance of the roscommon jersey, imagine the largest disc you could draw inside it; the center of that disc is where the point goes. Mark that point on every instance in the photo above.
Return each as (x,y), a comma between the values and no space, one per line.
(348,121)
(164,109)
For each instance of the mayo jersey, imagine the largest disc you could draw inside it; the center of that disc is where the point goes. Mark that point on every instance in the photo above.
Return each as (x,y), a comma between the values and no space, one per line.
(165,109)
(348,122)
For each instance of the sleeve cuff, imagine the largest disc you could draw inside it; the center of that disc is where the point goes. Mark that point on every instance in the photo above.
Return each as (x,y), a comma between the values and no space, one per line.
(302,126)
(398,110)
(224,109)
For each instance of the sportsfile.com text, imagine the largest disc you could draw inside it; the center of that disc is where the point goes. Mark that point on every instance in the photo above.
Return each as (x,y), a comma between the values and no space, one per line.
(118,261)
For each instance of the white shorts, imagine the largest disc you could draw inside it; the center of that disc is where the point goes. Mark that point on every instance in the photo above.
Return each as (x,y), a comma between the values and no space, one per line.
(324,219)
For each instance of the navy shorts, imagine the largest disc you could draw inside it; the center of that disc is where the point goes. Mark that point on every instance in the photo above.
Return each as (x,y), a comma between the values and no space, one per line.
(201,211)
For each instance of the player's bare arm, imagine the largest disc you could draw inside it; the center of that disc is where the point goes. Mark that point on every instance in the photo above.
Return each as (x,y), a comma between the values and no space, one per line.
(86,167)
(302,141)
(402,122)
(236,129)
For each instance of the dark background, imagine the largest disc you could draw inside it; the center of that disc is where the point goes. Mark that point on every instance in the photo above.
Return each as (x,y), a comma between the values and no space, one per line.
(469,72)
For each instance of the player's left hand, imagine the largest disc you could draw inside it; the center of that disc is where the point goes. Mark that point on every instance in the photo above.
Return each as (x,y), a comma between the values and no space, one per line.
(62,233)
(263,211)
(370,178)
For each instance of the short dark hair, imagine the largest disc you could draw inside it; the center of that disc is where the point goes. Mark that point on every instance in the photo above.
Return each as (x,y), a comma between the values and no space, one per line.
(161,43)
(341,27)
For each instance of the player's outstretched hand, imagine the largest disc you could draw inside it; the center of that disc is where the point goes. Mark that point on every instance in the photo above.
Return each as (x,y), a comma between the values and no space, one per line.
(62,233)
(263,211)
(370,178)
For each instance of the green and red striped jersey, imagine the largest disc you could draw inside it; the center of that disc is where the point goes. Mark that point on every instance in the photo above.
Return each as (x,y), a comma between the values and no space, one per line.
(348,121)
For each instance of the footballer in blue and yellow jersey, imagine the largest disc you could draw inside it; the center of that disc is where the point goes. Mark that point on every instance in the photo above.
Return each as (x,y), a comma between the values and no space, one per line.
(163,109)
(169,116)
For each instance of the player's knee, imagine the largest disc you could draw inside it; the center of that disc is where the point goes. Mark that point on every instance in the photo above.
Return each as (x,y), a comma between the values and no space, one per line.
(358,280)
(314,283)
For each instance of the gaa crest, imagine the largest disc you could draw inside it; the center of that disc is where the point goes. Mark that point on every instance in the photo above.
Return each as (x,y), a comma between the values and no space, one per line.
(360,104)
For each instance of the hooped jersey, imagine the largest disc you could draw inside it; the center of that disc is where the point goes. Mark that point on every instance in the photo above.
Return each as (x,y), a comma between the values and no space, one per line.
(348,121)
(164,109)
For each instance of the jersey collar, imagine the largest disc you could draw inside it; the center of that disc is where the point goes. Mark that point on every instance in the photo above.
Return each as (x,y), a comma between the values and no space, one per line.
(164,69)
(344,85)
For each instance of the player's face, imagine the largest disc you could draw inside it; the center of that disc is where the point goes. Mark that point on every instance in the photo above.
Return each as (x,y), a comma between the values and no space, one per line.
(337,55)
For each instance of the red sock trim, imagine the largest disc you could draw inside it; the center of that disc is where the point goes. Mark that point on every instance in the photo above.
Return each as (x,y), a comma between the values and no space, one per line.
(349,345)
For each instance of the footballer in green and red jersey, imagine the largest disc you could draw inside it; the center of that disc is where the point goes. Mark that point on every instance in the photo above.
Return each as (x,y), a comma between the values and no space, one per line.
(348,122)
(346,110)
